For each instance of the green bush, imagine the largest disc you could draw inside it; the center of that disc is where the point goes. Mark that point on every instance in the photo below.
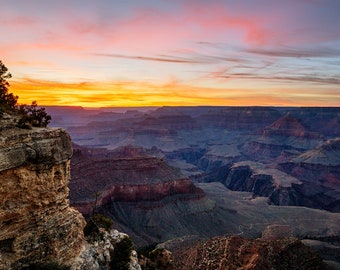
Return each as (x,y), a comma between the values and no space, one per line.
(120,256)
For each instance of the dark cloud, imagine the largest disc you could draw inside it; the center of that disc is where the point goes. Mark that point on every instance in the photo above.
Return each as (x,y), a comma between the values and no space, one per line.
(190,58)
(295,52)
(308,79)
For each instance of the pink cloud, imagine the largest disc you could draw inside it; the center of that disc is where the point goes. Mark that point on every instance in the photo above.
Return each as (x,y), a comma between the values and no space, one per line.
(17,21)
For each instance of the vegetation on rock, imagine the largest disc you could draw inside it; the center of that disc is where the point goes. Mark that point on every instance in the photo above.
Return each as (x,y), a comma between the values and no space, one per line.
(32,115)
(28,115)
(95,222)
(7,100)
(120,256)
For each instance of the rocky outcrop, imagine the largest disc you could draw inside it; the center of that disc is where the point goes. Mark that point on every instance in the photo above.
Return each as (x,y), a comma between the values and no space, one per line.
(238,253)
(37,225)
(36,222)
(261,180)
(97,253)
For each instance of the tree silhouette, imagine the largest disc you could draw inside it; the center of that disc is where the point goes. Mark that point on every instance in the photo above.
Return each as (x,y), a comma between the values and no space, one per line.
(29,115)
(7,100)
(39,117)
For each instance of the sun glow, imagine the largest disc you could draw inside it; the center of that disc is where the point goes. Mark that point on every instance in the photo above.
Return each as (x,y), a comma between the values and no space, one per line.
(147,53)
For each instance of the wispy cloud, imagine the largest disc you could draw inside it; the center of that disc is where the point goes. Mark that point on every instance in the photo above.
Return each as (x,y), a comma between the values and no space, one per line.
(190,57)
(160,58)
(296,52)
(297,78)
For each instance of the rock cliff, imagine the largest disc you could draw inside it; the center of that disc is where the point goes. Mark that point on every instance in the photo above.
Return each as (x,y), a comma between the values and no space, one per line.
(36,222)
(262,180)
(38,228)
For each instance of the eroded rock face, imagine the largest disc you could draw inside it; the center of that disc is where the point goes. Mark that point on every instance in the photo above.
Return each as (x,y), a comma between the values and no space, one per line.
(240,253)
(36,222)
(119,178)
(262,180)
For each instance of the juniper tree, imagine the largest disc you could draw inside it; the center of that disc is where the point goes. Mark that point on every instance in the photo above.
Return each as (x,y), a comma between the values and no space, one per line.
(7,100)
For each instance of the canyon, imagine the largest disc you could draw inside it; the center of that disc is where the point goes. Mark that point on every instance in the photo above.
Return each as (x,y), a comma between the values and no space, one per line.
(198,177)
(208,171)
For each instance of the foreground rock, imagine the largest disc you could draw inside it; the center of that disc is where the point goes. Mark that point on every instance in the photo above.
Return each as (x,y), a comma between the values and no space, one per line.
(36,222)
(238,253)
(38,228)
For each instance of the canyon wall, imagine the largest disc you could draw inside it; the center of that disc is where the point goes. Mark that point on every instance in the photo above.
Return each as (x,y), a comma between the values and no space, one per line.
(124,175)
(37,224)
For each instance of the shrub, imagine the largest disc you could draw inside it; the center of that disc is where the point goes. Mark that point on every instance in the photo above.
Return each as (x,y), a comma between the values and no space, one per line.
(32,115)
(96,222)
(120,256)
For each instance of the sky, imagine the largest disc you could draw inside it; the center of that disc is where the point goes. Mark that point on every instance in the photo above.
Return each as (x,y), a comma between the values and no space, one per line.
(172,52)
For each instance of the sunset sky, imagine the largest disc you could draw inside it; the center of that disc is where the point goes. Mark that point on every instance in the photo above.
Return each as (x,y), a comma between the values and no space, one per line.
(172,52)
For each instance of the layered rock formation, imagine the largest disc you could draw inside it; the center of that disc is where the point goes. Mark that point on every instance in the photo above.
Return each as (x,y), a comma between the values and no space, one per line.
(262,180)
(310,179)
(319,172)
(125,175)
(36,222)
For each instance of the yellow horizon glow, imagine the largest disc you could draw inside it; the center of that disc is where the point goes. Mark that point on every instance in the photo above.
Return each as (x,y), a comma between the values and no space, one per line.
(143,94)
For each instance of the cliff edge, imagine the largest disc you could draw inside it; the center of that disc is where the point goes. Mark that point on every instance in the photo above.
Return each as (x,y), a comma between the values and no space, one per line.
(37,224)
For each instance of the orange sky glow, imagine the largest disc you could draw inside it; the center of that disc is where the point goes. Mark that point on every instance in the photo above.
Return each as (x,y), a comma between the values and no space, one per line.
(189,53)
